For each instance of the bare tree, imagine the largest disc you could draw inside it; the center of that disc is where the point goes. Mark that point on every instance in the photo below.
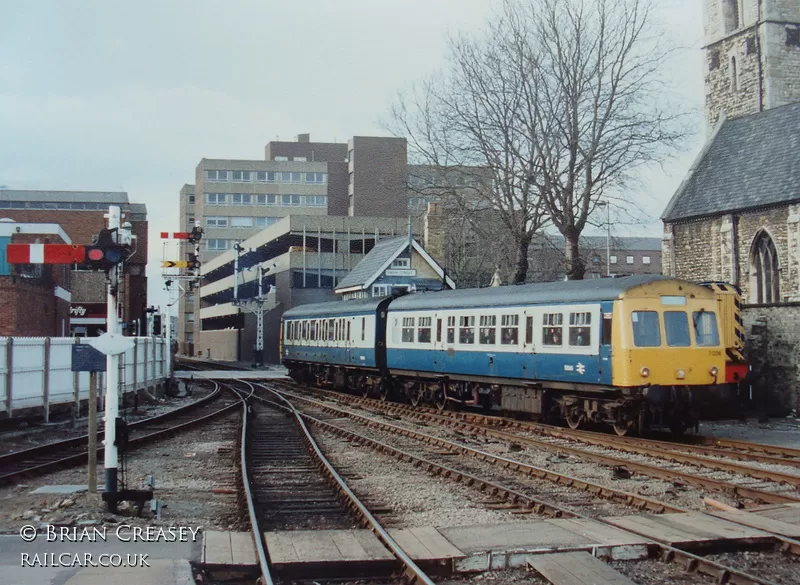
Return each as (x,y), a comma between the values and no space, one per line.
(560,101)
(600,109)
(466,124)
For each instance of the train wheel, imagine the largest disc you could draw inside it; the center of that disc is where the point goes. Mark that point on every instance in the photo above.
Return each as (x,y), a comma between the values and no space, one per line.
(362,387)
(574,419)
(415,395)
(440,398)
(386,390)
(622,427)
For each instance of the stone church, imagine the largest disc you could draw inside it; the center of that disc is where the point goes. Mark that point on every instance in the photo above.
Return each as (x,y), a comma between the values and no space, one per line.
(736,216)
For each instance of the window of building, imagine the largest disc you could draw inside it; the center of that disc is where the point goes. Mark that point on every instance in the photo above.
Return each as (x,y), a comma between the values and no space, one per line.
(734,75)
(242,222)
(595,259)
(189,298)
(764,270)
(217,245)
(267,199)
(466,331)
(612,259)
(730,14)
(216,222)
(645,259)
(380,290)
(451,330)
(316,178)
(315,200)
(293,177)
(265,221)
(216,198)
(580,328)
(705,328)
(509,329)
(241,176)
(281,158)
(424,333)
(190,317)
(265,176)
(191,198)
(300,159)
(215,176)
(290,200)
(190,338)
(646,332)
(401,263)
(676,328)
(408,329)
(488,329)
(628,259)
(552,324)
(241,199)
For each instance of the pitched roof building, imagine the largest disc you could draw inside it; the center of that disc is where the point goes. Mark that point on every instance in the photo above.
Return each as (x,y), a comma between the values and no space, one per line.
(736,216)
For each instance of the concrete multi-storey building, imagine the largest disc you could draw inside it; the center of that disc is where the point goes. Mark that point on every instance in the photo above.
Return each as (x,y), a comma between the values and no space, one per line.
(81,216)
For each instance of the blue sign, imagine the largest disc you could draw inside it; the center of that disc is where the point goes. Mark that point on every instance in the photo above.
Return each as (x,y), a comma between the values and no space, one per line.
(85,358)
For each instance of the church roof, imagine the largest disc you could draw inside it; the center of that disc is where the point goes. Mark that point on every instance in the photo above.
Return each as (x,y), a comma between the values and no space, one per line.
(749,162)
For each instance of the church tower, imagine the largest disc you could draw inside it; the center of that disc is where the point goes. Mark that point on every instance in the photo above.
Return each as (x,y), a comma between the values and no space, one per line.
(752,56)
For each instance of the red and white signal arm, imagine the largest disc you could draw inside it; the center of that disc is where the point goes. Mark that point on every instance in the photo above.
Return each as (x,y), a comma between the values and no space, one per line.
(45,253)
(175,235)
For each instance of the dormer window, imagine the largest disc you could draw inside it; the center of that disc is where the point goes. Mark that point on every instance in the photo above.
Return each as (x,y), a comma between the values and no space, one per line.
(731,15)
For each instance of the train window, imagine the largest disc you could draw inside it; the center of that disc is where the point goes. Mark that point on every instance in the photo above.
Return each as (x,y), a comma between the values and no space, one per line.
(552,324)
(341,329)
(646,332)
(408,329)
(673,300)
(580,326)
(348,330)
(529,330)
(676,328)
(313,331)
(509,327)
(424,333)
(607,323)
(438,330)
(304,331)
(329,330)
(488,331)
(466,332)
(363,328)
(451,330)
(705,328)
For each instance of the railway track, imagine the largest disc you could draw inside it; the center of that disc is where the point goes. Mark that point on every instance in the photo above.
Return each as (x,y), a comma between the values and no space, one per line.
(722,573)
(71,452)
(774,486)
(265,484)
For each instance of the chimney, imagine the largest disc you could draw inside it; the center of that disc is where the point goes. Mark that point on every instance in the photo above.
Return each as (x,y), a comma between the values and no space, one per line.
(304,138)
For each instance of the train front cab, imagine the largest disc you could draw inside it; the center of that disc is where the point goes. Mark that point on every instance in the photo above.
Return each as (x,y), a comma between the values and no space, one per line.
(666,348)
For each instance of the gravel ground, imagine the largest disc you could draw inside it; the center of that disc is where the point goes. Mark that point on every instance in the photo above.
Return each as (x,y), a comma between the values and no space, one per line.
(775,567)
(676,493)
(44,433)
(781,432)
(187,467)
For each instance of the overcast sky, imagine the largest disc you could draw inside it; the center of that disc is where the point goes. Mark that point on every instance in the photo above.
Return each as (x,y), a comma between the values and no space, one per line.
(131,95)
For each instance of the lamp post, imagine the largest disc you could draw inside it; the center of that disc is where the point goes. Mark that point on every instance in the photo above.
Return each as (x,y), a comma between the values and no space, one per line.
(607,205)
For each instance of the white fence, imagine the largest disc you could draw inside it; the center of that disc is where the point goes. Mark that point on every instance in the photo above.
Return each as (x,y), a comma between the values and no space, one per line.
(40,373)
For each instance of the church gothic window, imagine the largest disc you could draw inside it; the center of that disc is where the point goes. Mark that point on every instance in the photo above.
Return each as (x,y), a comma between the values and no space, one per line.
(734,75)
(730,14)
(764,273)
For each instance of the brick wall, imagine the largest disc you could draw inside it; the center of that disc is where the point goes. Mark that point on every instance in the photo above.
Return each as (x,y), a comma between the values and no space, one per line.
(30,309)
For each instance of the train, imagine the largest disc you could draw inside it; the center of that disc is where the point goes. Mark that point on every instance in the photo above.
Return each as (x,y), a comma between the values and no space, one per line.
(633,352)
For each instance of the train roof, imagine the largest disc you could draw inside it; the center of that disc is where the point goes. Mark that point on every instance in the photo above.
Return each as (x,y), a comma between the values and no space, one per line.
(334,308)
(563,291)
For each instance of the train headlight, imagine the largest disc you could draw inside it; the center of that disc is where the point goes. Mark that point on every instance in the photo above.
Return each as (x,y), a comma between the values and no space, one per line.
(645,371)
(680,374)
(714,371)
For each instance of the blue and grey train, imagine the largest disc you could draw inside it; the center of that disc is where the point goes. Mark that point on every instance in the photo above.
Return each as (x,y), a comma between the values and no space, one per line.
(631,352)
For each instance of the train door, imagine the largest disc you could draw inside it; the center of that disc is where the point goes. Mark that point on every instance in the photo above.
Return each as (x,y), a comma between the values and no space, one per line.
(607,316)
(443,341)
(528,347)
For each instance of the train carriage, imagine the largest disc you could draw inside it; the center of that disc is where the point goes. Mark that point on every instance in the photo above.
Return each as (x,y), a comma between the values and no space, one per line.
(626,351)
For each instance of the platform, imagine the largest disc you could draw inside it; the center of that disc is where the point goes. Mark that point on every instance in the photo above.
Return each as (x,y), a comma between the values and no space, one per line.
(163,572)
(315,553)
(231,374)
(229,551)
(577,568)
